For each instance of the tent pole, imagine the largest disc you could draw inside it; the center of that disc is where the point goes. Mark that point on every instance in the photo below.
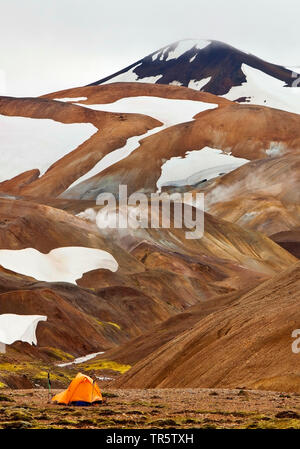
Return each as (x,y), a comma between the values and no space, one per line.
(49,387)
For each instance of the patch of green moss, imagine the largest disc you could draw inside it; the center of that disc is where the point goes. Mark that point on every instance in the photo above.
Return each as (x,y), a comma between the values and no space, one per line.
(42,375)
(110,323)
(10,367)
(114,324)
(87,422)
(189,421)
(274,423)
(58,354)
(37,372)
(66,422)
(106,394)
(20,414)
(16,424)
(105,422)
(163,422)
(134,412)
(108,411)
(5,398)
(105,364)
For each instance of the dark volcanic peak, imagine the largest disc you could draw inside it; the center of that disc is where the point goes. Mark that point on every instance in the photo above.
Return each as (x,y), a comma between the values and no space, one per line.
(211,66)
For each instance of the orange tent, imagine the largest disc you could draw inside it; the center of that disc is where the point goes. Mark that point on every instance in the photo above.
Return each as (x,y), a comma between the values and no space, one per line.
(81,391)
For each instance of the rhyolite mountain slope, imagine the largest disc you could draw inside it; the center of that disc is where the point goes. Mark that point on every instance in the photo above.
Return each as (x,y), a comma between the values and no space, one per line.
(259,195)
(248,343)
(246,132)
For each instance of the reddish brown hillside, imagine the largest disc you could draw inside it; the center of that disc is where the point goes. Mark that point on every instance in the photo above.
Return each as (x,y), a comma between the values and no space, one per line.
(247,344)
(246,131)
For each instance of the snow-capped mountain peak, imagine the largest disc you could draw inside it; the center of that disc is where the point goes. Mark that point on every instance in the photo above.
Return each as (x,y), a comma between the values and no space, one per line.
(189,62)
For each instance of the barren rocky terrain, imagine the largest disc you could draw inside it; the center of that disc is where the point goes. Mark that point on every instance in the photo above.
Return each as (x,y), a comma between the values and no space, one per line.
(144,409)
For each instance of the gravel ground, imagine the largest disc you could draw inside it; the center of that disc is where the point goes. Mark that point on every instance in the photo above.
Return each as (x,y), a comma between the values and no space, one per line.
(159,408)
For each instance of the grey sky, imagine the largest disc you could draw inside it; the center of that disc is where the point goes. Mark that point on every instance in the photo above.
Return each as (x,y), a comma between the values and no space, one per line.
(49,45)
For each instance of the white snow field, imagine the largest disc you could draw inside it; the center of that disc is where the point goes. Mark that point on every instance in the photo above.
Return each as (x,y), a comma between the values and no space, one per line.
(186,45)
(28,143)
(264,90)
(180,171)
(72,100)
(59,265)
(82,359)
(168,111)
(19,328)
(197,85)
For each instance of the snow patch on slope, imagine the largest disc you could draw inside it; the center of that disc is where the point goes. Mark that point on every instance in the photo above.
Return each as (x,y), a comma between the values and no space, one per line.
(19,328)
(197,85)
(185,171)
(72,100)
(82,359)
(264,90)
(28,143)
(166,110)
(175,83)
(186,45)
(59,265)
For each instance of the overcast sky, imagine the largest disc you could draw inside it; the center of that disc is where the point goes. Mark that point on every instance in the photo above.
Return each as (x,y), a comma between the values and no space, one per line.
(48,45)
